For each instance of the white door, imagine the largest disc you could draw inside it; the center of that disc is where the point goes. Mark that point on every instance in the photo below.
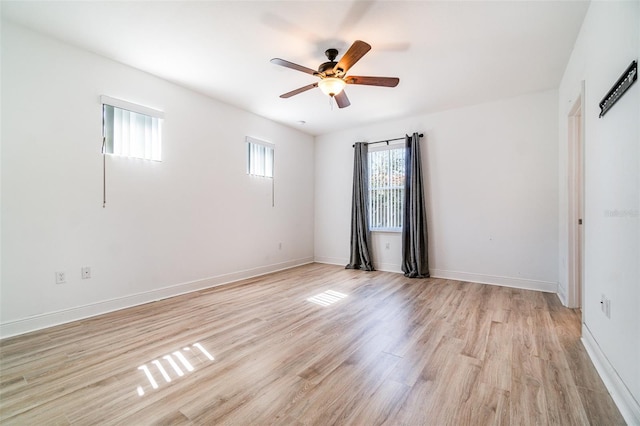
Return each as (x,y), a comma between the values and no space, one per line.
(576,202)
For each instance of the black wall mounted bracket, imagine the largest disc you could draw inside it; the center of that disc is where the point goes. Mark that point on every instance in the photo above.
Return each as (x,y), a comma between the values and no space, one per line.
(622,85)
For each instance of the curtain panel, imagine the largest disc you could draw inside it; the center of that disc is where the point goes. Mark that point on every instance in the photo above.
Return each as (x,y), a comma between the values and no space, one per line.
(415,259)
(360,256)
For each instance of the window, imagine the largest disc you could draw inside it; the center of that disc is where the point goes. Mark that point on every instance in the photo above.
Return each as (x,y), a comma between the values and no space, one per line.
(259,158)
(386,188)
(131,130)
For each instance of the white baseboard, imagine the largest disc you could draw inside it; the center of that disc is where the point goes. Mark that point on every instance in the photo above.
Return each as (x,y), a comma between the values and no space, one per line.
(526,284)
(385,267)
(523,283)
(331,260)
(627,404)
(388,267)
(562,295)
(38,322)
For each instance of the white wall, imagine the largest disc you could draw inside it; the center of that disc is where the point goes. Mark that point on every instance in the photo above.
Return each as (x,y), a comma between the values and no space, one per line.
(491,186)
(609,40)
(193,220)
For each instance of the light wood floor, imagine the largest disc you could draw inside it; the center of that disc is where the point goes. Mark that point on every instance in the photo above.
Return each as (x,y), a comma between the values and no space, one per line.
(395,351)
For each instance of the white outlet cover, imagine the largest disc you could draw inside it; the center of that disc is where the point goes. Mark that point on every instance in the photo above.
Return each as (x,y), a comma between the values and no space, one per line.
(86,272)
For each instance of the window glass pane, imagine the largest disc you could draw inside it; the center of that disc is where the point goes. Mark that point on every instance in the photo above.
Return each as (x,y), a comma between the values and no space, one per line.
(107,111)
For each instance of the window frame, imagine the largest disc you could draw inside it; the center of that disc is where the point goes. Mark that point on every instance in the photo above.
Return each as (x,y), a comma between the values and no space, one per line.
(268,146)
(146,112)
(390,147)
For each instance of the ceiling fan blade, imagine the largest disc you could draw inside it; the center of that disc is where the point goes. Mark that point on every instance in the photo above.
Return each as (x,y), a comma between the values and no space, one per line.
(298,91)
(353,55)
(342,100)
(293,66)
(373,81)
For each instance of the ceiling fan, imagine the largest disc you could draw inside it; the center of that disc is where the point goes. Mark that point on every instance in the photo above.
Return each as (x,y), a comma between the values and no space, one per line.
(333,76)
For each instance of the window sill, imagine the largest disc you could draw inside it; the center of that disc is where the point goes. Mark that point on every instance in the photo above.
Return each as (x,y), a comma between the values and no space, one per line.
(387,230)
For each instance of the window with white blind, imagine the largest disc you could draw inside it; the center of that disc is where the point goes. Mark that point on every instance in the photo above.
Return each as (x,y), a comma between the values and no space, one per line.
(131,130)
(386,188)
(259,157)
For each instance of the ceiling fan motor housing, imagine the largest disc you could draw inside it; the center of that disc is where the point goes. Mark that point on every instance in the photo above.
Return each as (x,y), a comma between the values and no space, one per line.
(327,68)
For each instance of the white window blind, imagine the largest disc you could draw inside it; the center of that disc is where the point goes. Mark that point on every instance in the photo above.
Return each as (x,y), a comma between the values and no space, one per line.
(131,130)
(386,188)
(260,156)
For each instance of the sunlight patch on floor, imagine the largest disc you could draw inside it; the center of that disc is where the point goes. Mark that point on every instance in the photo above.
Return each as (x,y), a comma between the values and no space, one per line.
(173,360)
(327,298)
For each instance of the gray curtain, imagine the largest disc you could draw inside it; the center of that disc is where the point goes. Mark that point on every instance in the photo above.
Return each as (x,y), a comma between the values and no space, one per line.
(415,259)
(360,257)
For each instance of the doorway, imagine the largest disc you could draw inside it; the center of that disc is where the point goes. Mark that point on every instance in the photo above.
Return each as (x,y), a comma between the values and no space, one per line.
(576,223)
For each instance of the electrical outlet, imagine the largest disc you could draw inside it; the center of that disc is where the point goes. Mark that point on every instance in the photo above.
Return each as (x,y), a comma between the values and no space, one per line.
(279,246)
(85,272)
(387,246)
(61,277)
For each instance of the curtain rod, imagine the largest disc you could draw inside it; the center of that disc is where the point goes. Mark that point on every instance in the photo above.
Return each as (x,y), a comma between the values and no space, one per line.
(386,140)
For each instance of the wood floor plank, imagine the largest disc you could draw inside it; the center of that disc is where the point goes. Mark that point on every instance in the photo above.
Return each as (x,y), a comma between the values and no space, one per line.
(495,369)
(394,351)
(563,401)
(527,396)
(380,406)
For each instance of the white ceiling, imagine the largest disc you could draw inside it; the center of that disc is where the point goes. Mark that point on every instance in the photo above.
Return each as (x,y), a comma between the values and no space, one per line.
(446,54)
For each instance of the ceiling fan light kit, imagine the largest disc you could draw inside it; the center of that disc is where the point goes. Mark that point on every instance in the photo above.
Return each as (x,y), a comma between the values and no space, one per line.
(331,86)
(333,74)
